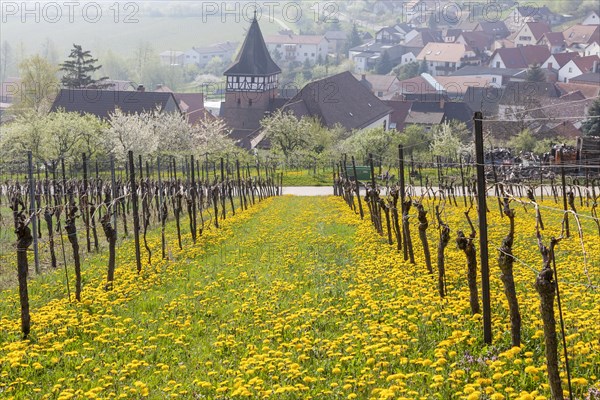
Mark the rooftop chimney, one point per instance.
(141, 88)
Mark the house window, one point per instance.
(250, 102)
(570, 70)
(497, 64)
(379, 94)
(494, 80)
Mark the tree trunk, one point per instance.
(72, 235)
(468, 247)
(24, 240)
(423, 225)
(546, 287)
(505, 262)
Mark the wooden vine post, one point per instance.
(357, 188)
(483, 237)
(505, 262)
(136, 215)
(467, 245)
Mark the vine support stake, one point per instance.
(483, 237)
(32, 213)
(136, 217)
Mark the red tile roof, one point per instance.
(586, 64)
(563, 58)
(523, 57)
(553, 38)
(582, 34)
(538, 29)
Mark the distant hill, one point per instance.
(163, 33)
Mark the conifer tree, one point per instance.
(79, 69)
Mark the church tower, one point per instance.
(253, 77)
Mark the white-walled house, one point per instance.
(578, 66)
(530, 33)
(408, 58)
(592, 49)
(591, 19)
(556, 61)
(171, 57)
(519, 57)
(298, 48)
(201, 56)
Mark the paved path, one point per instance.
(328, 190)
(309, 190)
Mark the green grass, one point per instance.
(295, 298)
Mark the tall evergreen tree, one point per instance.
(354, 37)
(384, 64)
(423, 68)
(591, 126)
(536, 74)
(79, 69)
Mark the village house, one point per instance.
(592, 49)
(480, 42)
(496, 29)
(520, 96)
(519, 57)
(578, 66)
(588, 78)
(556, 61)
(201, 56)
(340, 100)
(298, 48)
(337, 40)
(530, 33)
(428, 114)
(190, 104)
(382, 86)
(366, 55)
(171, 58)
(102, 103)
(555, 41)
(591, 19)
(530, 12)
(578, 37)
(445, 58)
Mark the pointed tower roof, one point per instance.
(254, 58)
